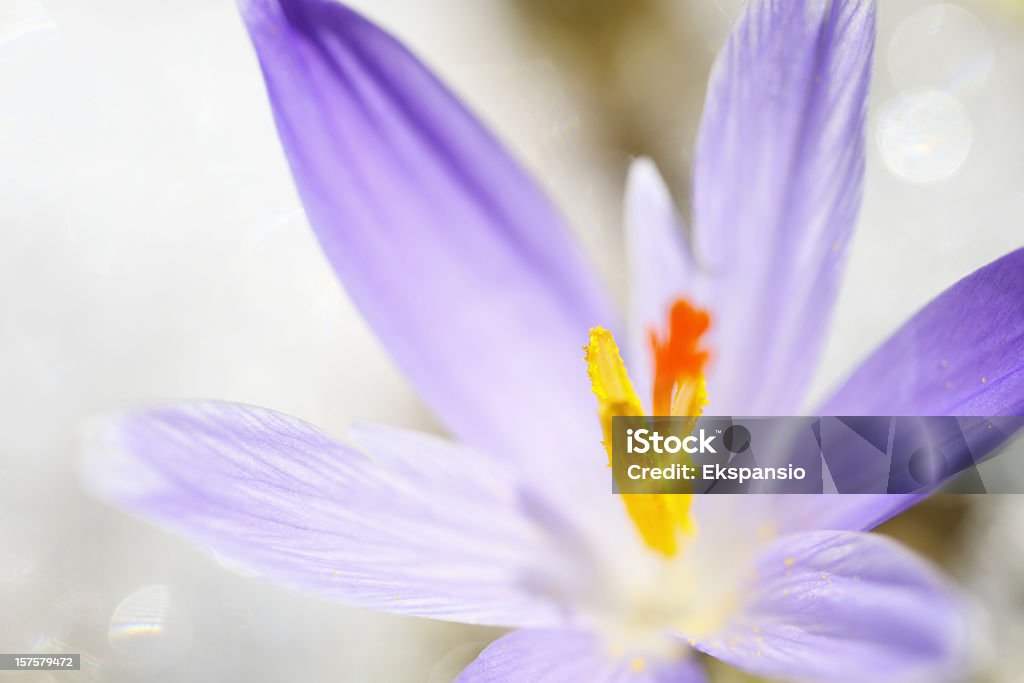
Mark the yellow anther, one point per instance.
(679, 390)
(610, 383)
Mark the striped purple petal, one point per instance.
(405, 523)
(561, 656)
(777, 186)
(453, 255)
(962, 354)
(843, 608)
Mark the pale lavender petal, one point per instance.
(751, 519)
(843, 607)
(455, 257)
(561, 656)
(423, 527)
(777, 186)
(962, 354)
(661, 268)
(838, 512)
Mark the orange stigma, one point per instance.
(679, 360)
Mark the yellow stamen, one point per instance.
(610, 383)
(659, 518)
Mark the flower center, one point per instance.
(679, 390)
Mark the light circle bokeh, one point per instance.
(924, 135)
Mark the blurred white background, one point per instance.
(152, 246)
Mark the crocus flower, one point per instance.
(472, 282)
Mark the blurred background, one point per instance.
(152, 246)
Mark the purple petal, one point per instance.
(661, 268)
(777, 186)
(843, 607)
(963, 442)
(453, 255)
(560, 656)
(421, 527)
(963, 354)
(934, 365)
(847, 512)
(750, 519)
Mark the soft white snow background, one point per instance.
(152, 246)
